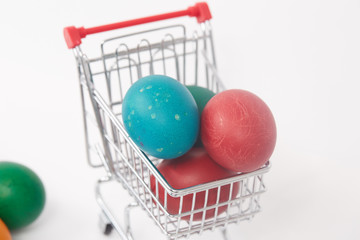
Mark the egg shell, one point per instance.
(202, 96)
(22, 195)
(4, 231)
(194, 168)
(238, 130)
(161, 116)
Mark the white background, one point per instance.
(301, 57)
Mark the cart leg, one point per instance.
(105, 224)
(127, 219)
(224, 233)
(108, 217)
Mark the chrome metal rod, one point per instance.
(106, 210)
(127, 219)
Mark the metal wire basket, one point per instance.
(187, 56)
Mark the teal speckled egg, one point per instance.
(161, 116)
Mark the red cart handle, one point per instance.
(74, 35)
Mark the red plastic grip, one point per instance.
(74, 35)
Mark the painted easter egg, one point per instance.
(194, 168)
(202, 96)
(161, 116)
(4, 231)
(22, 195)
(238, 130)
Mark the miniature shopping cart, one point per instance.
(184, 52)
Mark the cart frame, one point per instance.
(104, 81)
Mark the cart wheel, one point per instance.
(108, 229)
(105, 224)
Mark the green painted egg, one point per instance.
(22, 195)
(201, 96)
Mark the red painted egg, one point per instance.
(238, 130)
(193, 168)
